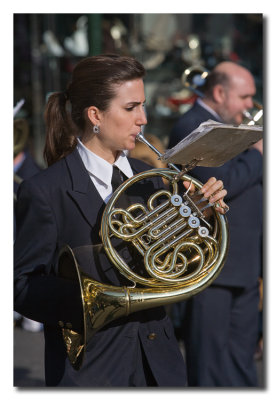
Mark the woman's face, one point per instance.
(124, 118)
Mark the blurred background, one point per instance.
(47, 46)
(46, 49)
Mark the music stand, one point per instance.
(212, 144)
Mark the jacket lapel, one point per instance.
(83, 191)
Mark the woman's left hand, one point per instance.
(214, 192)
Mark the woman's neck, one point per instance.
(96, 146)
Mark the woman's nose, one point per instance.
(142, 119)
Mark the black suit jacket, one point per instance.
(61, 206)
(242, 177)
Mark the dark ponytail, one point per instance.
(94, 82)
(60, 135)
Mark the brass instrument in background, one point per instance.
(194, 78)
(182, 253)
(20, 135)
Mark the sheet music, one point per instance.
(213, 143)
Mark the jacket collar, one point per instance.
(214, 114)
(79, 176)
(83, 191)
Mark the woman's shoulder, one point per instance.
(51, 176)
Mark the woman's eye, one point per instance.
(131, 108)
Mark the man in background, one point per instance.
(219, 326)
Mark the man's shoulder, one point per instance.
(188, 122)
(196, 113)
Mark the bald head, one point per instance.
(234, 72)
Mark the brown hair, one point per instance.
(94, 81)
(213, 79)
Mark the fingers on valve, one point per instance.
(212, 187)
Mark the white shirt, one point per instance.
(100, 170)
(211, 111)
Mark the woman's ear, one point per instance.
(93, 114)
(219, 94)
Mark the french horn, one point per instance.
(182, 252)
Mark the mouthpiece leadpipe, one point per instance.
(142, 139)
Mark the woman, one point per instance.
(63, 205)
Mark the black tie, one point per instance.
(116, 180)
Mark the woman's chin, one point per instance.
(130, 146)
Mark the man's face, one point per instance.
(238, 98)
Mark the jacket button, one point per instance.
(152, 336)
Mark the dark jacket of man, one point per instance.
(220, 325)
(242, 178)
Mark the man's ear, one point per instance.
(93, 114)
(219, 94)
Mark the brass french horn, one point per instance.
(182, 252)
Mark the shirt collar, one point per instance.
(100, 168)
(211, 111)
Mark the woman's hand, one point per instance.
(214, 192)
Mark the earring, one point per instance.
(96, 129)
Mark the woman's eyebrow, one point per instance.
(136, 102)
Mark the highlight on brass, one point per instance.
(194, 77)
(178, 237)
